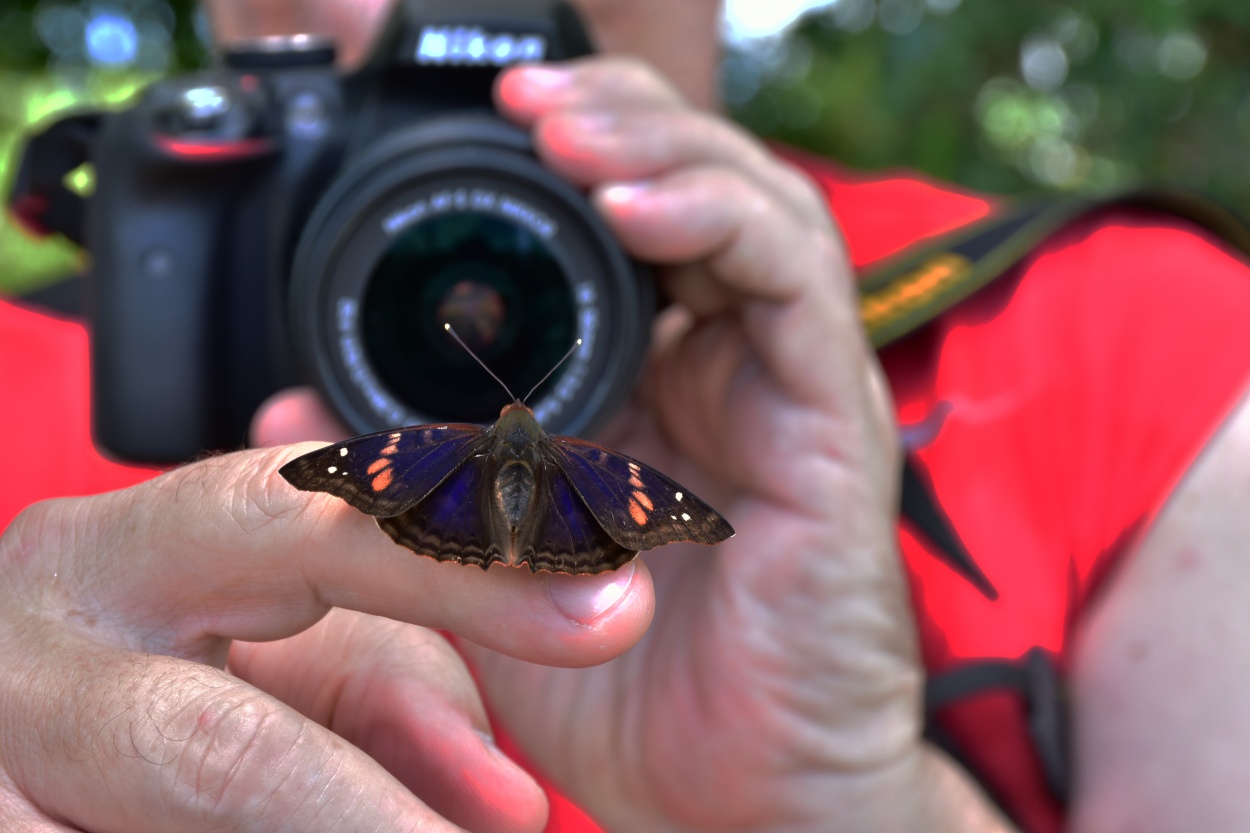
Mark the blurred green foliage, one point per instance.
(46, 68)
(1013, 97)
(1005, 97)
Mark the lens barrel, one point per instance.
(455, 221)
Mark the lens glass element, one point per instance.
(496, 283)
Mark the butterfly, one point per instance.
(510, 493)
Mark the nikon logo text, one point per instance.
(471, 45)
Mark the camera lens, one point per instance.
(496, 283)
(455, 221)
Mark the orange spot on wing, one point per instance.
(637, 513)
(382, 480)
(378, 464)
(390, 449)
(642, 498)
(635, 481)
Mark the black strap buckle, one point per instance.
(1036, 677)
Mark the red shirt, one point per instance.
(1053, 412)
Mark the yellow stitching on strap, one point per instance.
(913, 290)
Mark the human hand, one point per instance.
(117, 711)
(779, 687)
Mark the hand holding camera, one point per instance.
(761, 396)
(782, 662)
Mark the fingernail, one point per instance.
(547, 78)
(623, 193)
(585, 598)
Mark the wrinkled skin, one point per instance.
(778, 686)
(208, 650)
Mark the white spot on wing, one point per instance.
(342, 452)
(332, 469)
(679, 496)
(684, 516)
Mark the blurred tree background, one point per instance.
(1012, 97)
(56, 55)
(1005, 97)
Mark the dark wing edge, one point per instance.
(569, 538)
(638, 506)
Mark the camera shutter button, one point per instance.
(202, 108)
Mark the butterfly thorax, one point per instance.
(517, 455)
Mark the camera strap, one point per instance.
(913, 288)
(916, 287)
(907, 291)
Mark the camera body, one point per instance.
(274, 221)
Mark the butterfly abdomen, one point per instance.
(514, 493)
(516, 483)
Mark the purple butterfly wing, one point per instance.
(454, 521)
(386, 473)
(568, 538)
(636, 505)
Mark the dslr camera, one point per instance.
(274, 221)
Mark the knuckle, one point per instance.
(805, 193)
(260, 496)
(240, 493)
(631, 76)
(754, 205)
(39, 542)
(196, 747)
(224, 751)
(227, 765)
(829, 252)
(627, 67)
(26, 535)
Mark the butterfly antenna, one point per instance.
(469, 350)
(576, 344)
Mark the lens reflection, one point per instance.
(496, 283)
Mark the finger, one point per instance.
(227, 549)
(614, 144)
(790, 279)
(18, 816)
(294, 415)
(693, 288)
(526, 94)
(123, 741)
(615, 118)
(404, 697)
